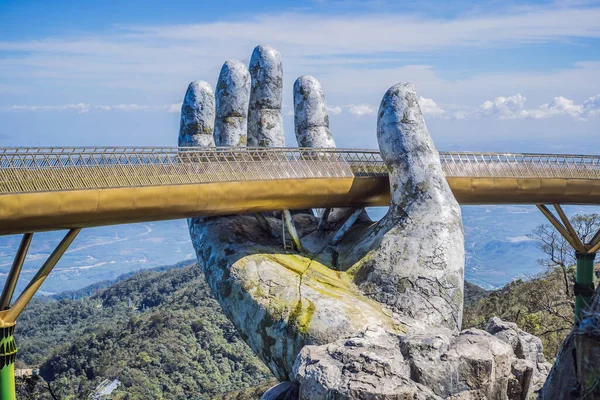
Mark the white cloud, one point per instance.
(152, 57)
(503, 107)
(361, 110)
(430, 107)
(130, 107)
(513, 107)
(174, 108)
(519, 239)
(380, 32)
(337, 110)
(81, 108)
(558, 106)
(591, 107)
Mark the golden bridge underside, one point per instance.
(34, 212)
(47, 189)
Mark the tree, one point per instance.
(558, 251)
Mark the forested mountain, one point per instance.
(542, 306)
(160, 333)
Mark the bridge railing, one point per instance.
(31, 170)
(50, 169)
(505, 165)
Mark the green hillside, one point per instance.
(159, 332)
(542, 305)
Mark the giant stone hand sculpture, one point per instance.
(391, 288)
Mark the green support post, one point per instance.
(8, 352)
(584, 285)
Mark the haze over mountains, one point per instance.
(498, 249)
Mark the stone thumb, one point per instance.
(416, 174)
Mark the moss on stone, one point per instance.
(295, 314)
(304, 318)
(361, 269)
(298, 312)
(301, 317)
(457, 296)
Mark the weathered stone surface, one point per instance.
(429, 365)
(587, 349)
(232, 97)
(575, 373)
(265, 121)
(311, 124)
(367, 367)
(311, 121)
(413, 259)
(562, 379)
(281, 301)
(520, 383)
(525, 346)
(197, 116)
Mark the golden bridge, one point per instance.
(62, 188)
(73, 188)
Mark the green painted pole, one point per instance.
(584, 285)
(8, 352)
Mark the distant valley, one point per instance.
(99, 254)
(498, 249)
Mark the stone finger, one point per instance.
(231, 98)
(265, 120)
(311, 121)
(197, 116)
(417, 266)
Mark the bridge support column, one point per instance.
(264, 224)
(339, 235)
(585, 254)
(323, 219)
(9, 314)
(15, 271)
(289, 223)
(8, 352)
(584, 284)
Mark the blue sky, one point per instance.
(494, 76)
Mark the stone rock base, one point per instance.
(503, 362)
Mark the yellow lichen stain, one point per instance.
(301, 317)
(260, 292)
(355, 269)
(278, 308)
(303, 321)
(330, 283)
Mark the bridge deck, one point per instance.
(56, 188)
